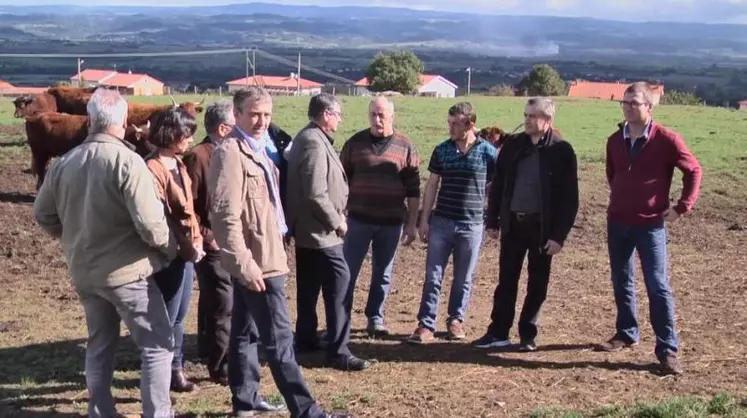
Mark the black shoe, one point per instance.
(526, 346)
(350, 363)
(490, 341)
(261, 409)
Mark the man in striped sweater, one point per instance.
(382, 170)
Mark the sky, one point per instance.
(705, 11)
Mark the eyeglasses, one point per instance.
(631, 103)
(334, 112)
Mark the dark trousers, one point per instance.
(214, 313)
(522, 237)
(327, 271)
(264, 316)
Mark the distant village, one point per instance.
(431, 85)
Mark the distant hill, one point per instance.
(370, 28)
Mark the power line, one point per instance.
(265, 54)
(127, 54)
(282, 60)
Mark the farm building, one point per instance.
(607, 91)
(430, 85)
(291, 85)
(9, 90)
(742, 105)
(126, 83)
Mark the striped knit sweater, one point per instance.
(382, 173)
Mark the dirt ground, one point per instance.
(42, 330)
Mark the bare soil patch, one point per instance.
(42, 331)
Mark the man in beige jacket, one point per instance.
(248, 223)
(100, 200)
(317, 194)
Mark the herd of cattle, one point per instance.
(56, 121)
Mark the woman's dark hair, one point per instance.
(171, 126)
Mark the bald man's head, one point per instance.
(381, 116)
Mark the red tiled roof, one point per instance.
(607, 91)
(93, 75)
(271, 81)
(12, 90)
(424, 79)
(127, 80)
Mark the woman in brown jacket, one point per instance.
(172, 133)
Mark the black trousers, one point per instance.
(214, 313)
(326, 271)
(522, 238)
(263, 316)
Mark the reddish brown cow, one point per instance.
(494, 135)
(139, 114)
(52, 134)
(28, 105)
(72, 100)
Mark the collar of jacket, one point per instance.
(314, 125)
(104, 137)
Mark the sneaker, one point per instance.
(376, 329)
(526, 346)
(454, 330)
(490, 341)
(614, 344)
(422, 335)
(670, 364)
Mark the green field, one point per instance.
(42, 331)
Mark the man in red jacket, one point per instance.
(641, 157)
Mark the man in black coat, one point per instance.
(533, 201)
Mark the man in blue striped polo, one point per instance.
(462, 165)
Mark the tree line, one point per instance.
(400, 72)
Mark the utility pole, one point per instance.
(254, 62)
(469, 80)
(298, 76)
(80, 82)
(246, 64)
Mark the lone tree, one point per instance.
(543, 80)
(398, 71)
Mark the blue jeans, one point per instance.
(651, 245)
(383, 240)
(175, 283)
(444, 237)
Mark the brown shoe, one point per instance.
(670, 364)
(455, 330)
(179, 382)
(614, 344)
(422, 335)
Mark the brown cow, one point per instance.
(494, 135)
(62, 99)
(139, 114)
(72, 100)
(52, 134)
(31, 105)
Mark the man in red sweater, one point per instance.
(641, 157)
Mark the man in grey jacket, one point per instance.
(100, 200)
(316, 197)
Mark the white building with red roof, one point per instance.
(430, 85)
(291, 85)
(126, 83)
